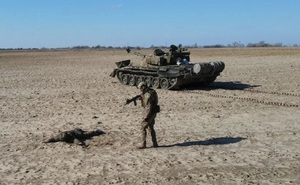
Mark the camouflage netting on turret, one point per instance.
(154, 60)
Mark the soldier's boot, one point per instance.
(153, 136)
(143, 146)
(51, 140)
(57, 138)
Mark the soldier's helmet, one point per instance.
(173, 47)
(141, 84)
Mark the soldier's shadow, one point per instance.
(212, 141)
(221, 85)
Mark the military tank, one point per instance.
(167, 70)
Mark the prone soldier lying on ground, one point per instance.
(77, 136)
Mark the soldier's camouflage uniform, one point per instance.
(77, 136)
(150, 104)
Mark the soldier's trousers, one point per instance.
(149, 124)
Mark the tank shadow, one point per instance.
(221, 85)
(212, 141)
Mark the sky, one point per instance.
(68, 23)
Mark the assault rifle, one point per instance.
(128, 101)
(137, 97)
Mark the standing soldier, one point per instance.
(149, 101)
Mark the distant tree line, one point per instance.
(233, 45)
(249, 45)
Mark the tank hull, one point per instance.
(170, 76)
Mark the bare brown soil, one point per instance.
(243, 129)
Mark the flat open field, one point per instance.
(243, 129)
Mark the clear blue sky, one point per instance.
(67, 23)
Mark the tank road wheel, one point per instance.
(132, 80)
(124, 79)
(155, 83)
(173, 81)
(164, 83)
(148, 81)
(139, 79)
(119, 75)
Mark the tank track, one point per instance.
(133, 78)
(273, 103)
